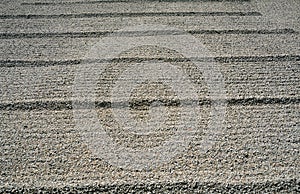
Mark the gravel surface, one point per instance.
(56, 133)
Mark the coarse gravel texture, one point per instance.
(45, 44)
